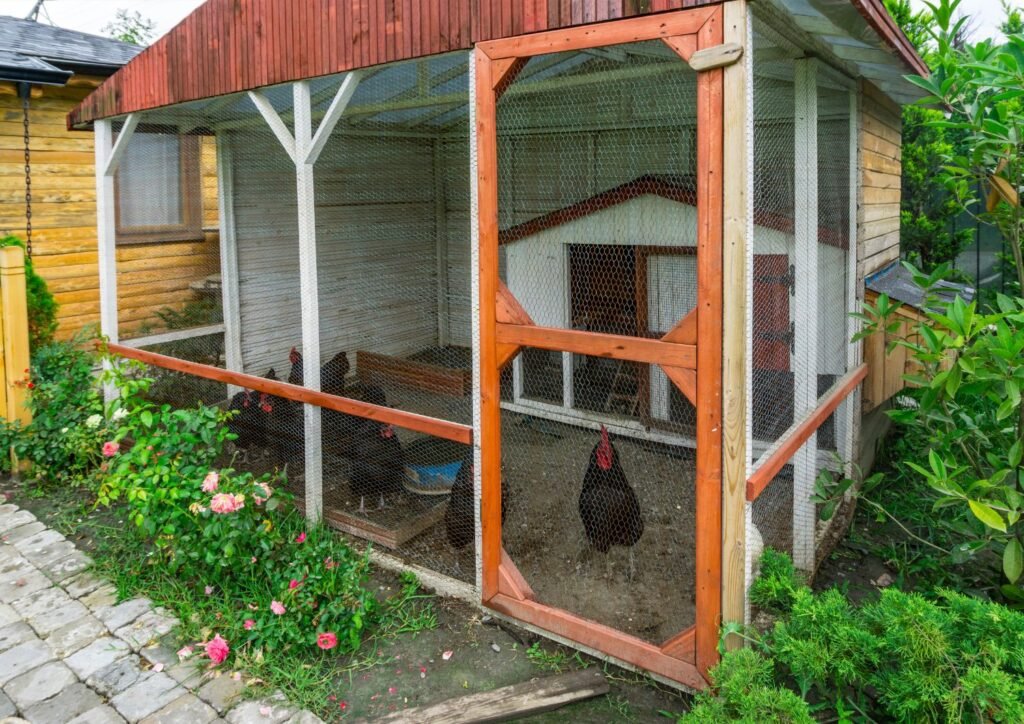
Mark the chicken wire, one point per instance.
(390, 296)
(800, 286)
(598, 233)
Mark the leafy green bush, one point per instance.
(744, 690)
(903, 657)
(42, 308)
(964, 431)
(64, 437)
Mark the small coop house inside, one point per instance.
(550, 307)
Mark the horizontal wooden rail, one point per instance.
(408, 420)
(176, 335)
(594, 344)
(776, 457)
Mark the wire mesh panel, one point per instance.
(597, 211)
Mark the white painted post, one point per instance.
(310, 296)
(849, 413)
(108, 156)
(441, 245)
(229, 258)
(805, 391)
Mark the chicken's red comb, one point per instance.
(293, 356)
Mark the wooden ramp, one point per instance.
(508, 702)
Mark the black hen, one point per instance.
(460, 515)
(285, 427)
(379, 464)
(332, 373)
(250, 423)
(295, 374)
(608, 506)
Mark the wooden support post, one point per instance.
(849, 424)
(735, 325)
(229, 258)
(805, 390)
(309, 296)
(441, 244)
(15, 351)
(476, 332)
(107, 160)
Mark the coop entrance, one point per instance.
(598, 193)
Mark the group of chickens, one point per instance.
(275, 424)
(608, 506)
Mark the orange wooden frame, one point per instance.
(408, 420)
(787, 447)
(691, 353)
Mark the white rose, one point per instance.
(119, 414)
(93, 421)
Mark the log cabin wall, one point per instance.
(64, 216)
(878, 218)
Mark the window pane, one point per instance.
(149, 181)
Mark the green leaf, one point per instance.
(1013, 560)
(987, 515)
(147, 418)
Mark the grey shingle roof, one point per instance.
(59, 47)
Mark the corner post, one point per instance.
(228, 258)
(106, 229)
(736, 245)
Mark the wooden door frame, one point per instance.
(695, 368)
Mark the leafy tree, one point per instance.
(927, 210)
(131, 28)
(1013, 20)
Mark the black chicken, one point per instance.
(608, 506)
(285, 427)
(332, 373)
(378, 467)
(249, 424)
(460, 515)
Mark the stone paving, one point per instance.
(71, 653)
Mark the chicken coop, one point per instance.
(547, 301)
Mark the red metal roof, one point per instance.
(228, 46)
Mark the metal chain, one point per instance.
(28, 180)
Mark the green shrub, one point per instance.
(744, 690)
(64, 438)
(42, 308)
(903, 657)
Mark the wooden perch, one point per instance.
(717, 56)
(509, 702)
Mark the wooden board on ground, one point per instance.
(391, 538)
(510, 702)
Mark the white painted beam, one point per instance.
(309, 295)
(273, 119)
(230, 289)
(123, 139)
(106, 230)
(333, 115)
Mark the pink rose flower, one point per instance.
(110, 449)
(327, 640)
(217, 650)
(248, 625)
(208, 590)
(227, 503)
(301, 538)
(277, 608)
(184, 652)
(210, 482)
(293, 584)
(260, 499)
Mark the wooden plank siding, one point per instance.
(878, 207)
(285, 40)
(151, 276)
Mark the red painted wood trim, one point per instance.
(683, 646)
(601, 638)
(594, 344)
(789, 445)
(710, 220)
(408, 420)
(879, 19)
(511, 582)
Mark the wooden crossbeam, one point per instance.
(593, 344)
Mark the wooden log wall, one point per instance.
(151, 276)
(878, 216)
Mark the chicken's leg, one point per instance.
(362, 505)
